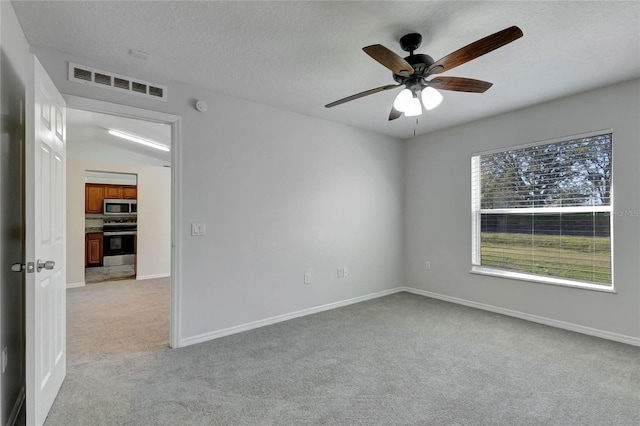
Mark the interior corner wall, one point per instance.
(153, 257)
(281, 194)
(438, 209)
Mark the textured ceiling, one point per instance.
(299, 56)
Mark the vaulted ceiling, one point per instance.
(88, 139)
(299, 56)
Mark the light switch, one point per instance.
(198, 229)
(307, 278)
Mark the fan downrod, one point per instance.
(410, 42)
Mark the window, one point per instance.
(542, 212)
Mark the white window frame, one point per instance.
(476, 213)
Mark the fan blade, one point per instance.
(362, 94)
(476, 49)
(389, 59)
(394, 114)
(458, 84)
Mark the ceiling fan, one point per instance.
(412, 72)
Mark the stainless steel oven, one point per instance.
(118, 242)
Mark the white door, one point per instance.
(45, 244)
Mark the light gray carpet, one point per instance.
(117, 317)
(398, 360)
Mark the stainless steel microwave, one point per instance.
(113, 207)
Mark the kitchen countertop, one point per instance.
(90, 230)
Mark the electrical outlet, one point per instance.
(340, 273)
(4, 360)
(345, 272)
(307, 277)
(198, 229)
(427, 265)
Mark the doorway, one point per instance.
(153, 207)
(119, 199)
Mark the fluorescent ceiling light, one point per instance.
(136, 139)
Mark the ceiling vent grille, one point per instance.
(108, 80)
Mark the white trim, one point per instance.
(285, 317)
(541, 279)
(152, 276)
(76, 285)
(175, 333)
(549, 209)
(175, 121)
(88, 104)
(622, 338)
(201, 338)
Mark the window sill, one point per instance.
(481, 270)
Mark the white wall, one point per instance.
(438, 209)
(280, 194)
(154, 217)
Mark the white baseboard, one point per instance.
(74, 285)
(152, 276)
(630, 340)
(279, 318)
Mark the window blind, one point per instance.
(545, 209)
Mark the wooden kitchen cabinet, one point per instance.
(95, 194)
(93, 249)
(129, 192)
(113, 191)
(93, 198)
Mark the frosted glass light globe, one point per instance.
(406, 103)
(431, 98)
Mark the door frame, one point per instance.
(175, 121)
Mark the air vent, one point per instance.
(121, 83)
(102, 79)
(156, 91)
(139, 87)
(80, 74)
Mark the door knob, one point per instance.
(49, 264)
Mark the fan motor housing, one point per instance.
(420, 63)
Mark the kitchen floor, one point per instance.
(109, 273)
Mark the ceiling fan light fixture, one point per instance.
(431, 98)
(408, 104)
(414, 108)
